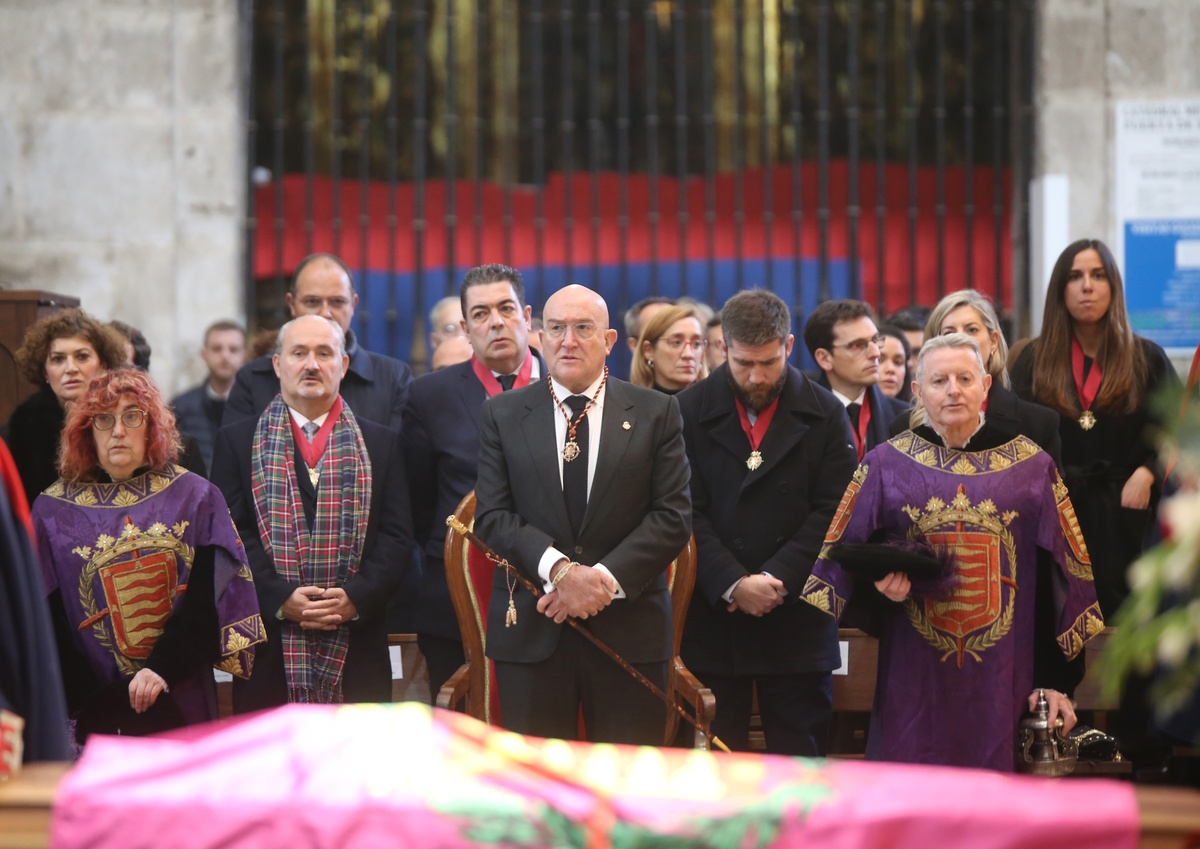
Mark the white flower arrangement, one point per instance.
(1158, 626)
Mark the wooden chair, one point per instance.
(473, 685)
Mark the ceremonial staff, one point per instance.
(491, 555)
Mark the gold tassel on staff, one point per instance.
(511, 571)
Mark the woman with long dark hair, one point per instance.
(1089, 367)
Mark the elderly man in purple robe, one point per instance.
(963, 654)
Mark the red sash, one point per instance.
(1088, 389)
(754, 432)
(491, 385)
(312, 452)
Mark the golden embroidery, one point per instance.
(979, 612)
(236, 642)
(1082, 571)
(125, 499)
(237, 639)
(998, 463)
(821, 595)
(138, 579)
(842, 517)
(996, 459)
(963, 466)
(120, 495)
(1087, 625)
(1078, 561)
(232, 666)
(819, 599)
(1025, 448)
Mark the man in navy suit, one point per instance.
(441, 440)
(771, 454)
(375, 386)
(844, 342)
(583, 487)
(321, 503)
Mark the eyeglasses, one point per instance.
(557, 330)
(314, 304)
(857, 346)
(130, 418)
(675, 343)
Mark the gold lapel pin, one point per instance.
(626, 425)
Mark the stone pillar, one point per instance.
(1092, 54)
(122, 164)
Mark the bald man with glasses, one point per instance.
(583, 487)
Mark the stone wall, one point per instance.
(1092, 54)
(122, 153)
(122, 164)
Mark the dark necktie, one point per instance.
(310, 429)
(506, 381)
(575, 472)
(852, 410)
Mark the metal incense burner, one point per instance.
(1043, 749)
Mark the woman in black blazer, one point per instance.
(967, 311)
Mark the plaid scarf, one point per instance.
(324, 556)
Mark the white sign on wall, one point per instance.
(1157, 206)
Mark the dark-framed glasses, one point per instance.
(857, 346)
(131, 418)
(583, 330)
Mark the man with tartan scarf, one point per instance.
(321, 503)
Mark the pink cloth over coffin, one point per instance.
(405, 775)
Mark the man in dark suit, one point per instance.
(199, 410)
(321, 504)
(844, 342)
(441, 440)
(375, 386)
(771, 454)
(583, 486)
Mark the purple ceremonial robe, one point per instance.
(955, 672)
(121, 553)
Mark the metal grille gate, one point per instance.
(828, 148)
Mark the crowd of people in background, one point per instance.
(1033, 482)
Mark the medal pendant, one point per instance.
(754, 461)
(570, 450)
(314, 476)
(1087, 421)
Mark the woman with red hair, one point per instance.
(147, 579)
